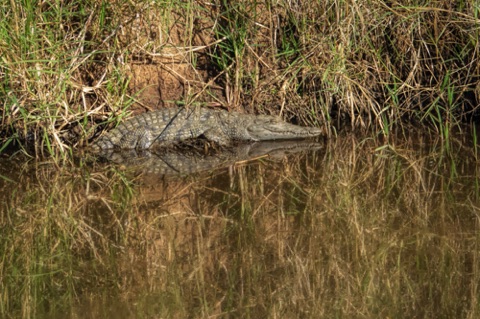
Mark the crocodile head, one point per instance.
(270, 128)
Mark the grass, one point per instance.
(66, 69)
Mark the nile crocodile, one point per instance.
(167, 126)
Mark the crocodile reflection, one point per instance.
(189, 160)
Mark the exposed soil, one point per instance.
(154, 86)
(180, 73)
(159, 84)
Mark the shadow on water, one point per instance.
(358, 228)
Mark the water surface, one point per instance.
(357, 228)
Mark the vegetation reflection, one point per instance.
(360, 228)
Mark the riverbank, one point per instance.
(71, 70)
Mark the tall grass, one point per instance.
(66, 69)
(53, 67)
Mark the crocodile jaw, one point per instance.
(275, 130)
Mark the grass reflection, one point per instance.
(364, 228)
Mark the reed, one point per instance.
(69, 71)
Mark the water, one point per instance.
(357, 228)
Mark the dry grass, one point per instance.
(69, 69)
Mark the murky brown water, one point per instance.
(359, 228)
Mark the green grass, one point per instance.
(66, 68)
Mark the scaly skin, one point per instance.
(167, 126)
